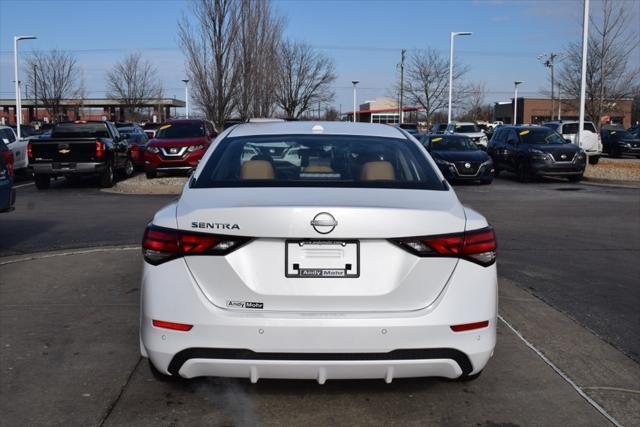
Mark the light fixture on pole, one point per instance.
(583, 77)
(550, 63)
(453, 35)
(515, 100)
(186, 97)
(16, 39)
(355, 82)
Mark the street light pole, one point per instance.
(453, 35)
(583, 78)
(35, 90)
(515, 101)
(16, 39)
(355, 82)
(186, 97)
(402, 85)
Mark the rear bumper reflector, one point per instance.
(171, 325)
(469, 326)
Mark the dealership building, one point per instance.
(538, 110)
(383, 110)
(87, 109)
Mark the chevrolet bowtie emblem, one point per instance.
(64, 151)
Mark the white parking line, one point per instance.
(564, 376)
(23, 185)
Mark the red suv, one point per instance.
(178, 146)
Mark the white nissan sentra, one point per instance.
(318, 250)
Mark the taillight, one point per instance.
(172, 325)
(478, 246)
(99, 149)
(8, 159)
(163, 244)
(29, 151)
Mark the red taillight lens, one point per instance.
(29, 151)
(469, 326)
(478, 246)
(99, 149)
(163, 244)
(172, 325)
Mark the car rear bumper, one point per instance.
(317, 345)
(60, 168)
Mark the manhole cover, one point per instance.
(569, 189)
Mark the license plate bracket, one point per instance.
(322, 259)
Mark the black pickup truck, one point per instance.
(80, 148)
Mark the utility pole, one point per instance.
(402, 85)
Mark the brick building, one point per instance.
(538, 110)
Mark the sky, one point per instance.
(364, 38)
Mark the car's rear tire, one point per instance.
(42, 181)
(128, 169)
(106, 177)
(522, 172)
(160, 376)
(593, 160)
(467, 378)
(151, 174)
(575, 178)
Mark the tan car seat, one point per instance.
(257, 169)
(379, 170)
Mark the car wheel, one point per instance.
(106, 177)
(127, 171)
(522, 172)
(575, 178)
(467, 378)
(162, 377)
(593, 160)
(151, 174)
(42, 181)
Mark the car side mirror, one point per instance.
(124, 136)
(568, 141)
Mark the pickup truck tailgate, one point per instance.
(67, 150)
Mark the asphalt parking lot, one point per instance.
(568, 344)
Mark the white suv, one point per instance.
(590, 140)
(470, 130)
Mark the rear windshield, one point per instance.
(572, 128)
(180, 130)
(466, 129)
(318, 161)
(80, 130)
(540, 135)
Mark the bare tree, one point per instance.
(210, 48)
(260, 32)
(57, 76)
(304, 78)
(134, 82)
(428, 81)
(610, 74)
(474, 101)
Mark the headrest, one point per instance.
(378, 170)
(257, 169)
